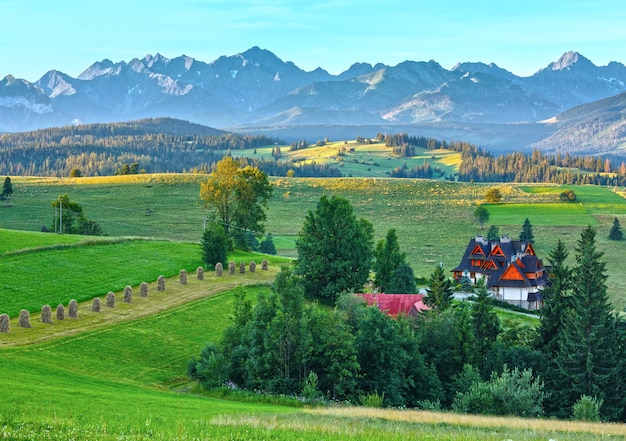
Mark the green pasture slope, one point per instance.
(126, 382)
(433, 219)
(361, 159)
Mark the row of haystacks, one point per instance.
(23, 321)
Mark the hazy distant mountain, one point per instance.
(257, 89)
(598, 127)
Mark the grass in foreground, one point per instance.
(65, 389)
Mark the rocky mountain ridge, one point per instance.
(255, 88)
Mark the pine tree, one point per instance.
(439, 291)
(527, 232)
(588, 352)
(486, 322)
(7, 190)
(556, 302)
(493, 233)
(616, 231)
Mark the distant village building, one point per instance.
(395, 304)
(512, 270)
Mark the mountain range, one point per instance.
(255, 91)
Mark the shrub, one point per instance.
(161, 283)
(264, 264)
(5, 325)
(231, 267)
(72, 309)
(211, 369)
(372, 400)
(128, 294)
(46, 314)
(587, 408)
(60, 312)
(24, 319)
(219, 269)
(253, 267)
(182, 277)
(143, 289)
(510, 393)
(111, 299)
(310, 390)
(200, 273)
(96, 304)
(242, 268)
(567, 196)
(493, 195)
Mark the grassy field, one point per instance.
(433, 219)
(65, 389)
(362, 159)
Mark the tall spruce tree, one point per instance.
(493, 233)
(486, 323)
(527, 232)
(616, 231)
(588, 349)
(439, 293)
(555, 304)
(555, 300)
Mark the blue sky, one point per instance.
(520, 36)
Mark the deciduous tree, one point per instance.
(481, 214)
(387, 257)
(334, 250)
(214, 245)
(7, 190)
(238, 197)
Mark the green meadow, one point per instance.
(433, 218)
(126, 380)
(361, 159)
(120, 374)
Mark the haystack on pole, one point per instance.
(96, 304)
(200, 273)
(161, 283)
(60, 312)
(182, 277)
(46, 314)
(24, 320)
(128, 294)
(110, 299)
(219, 269)
(264, 264)
(72, 309)
(143, 289)
(253, 267)
(5, 324)
(231, 267)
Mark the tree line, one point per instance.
(151, 146)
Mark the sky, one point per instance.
(521, 36)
